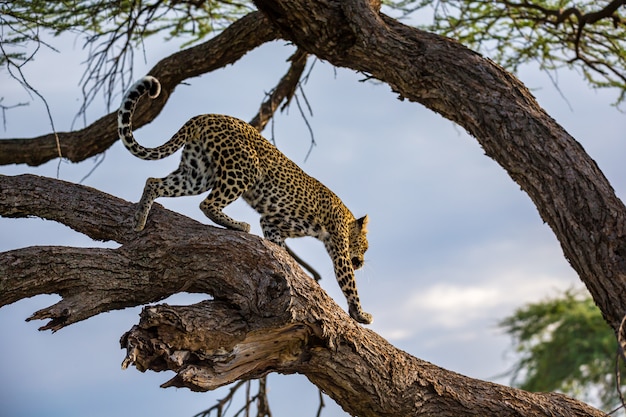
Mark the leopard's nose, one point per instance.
(356, 263)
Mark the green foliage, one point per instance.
(587, 35)
(564, 345)
(22, 19)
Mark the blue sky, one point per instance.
(455, 246)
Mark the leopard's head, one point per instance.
(358, 241)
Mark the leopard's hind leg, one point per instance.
(174, 185)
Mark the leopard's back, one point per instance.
(284, 188)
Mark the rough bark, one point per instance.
(264, 314)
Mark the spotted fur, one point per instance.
(231, 159)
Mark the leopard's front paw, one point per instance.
(361, 316)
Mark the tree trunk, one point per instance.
(265, 314)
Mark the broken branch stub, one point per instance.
(210, 344)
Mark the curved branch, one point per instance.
(209, 345)
(235, 41)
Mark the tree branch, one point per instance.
(284, 91)
(265, 314)
(589, 35)
(558, 16)
(242, 36)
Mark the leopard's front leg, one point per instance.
(344, 273)
(347, 283)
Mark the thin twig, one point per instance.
(4, 110)
(308, 125)
(21, 78)
(99, 160)
(222, 405)
(322, 405)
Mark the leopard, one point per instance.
(230, 158)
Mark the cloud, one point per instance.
(464, 292)
(455, 306)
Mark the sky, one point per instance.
(455, 245)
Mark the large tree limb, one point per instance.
(569, 190)
(265, 314)
(234, 42)
(356, 367)
(133, 274)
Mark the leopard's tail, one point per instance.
(152, 86)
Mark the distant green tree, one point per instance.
(565, 345)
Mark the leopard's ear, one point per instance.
(362, 223)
